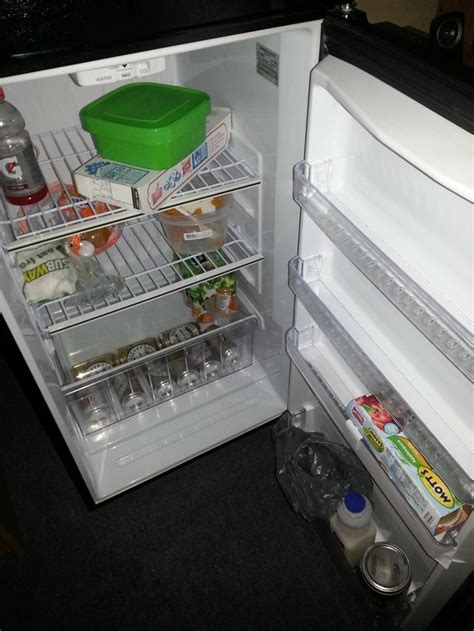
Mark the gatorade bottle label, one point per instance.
(20, 174)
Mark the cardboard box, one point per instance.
(125, 185)
(426, 492)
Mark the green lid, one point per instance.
(146, 113)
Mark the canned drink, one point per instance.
(178, 334)
(130, 393)
(183, 371)
(210, 369)
(199, 353)
(94, 366)
(230, 354)
(137, 350)
(95, 411)
(227, 351)
(163, 387)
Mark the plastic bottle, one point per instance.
(353, 526)
(20, 175)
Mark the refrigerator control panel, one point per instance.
(120, 72)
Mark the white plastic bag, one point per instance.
(47, 272)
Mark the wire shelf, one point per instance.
(59, 214)
(149, 267)
(428, 316)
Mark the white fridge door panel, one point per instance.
(423, 138)
(401, 174)
(434, 388)
(387, 186)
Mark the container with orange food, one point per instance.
(91, 242)
(198, 226)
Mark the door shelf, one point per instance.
(149, 267)
(98, 403)
(302, 348)
(62, 152)
(372, 378)
(429, 317)
(390, 527)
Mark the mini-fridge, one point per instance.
(351, 238)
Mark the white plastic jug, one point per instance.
(353, 526)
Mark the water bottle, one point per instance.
(20, 175)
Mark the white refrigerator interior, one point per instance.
(379, 257)
(268, 137)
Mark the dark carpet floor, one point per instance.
(210, 545)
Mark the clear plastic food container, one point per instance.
(199, 226)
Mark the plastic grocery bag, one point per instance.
(315, 473)
(93, 284)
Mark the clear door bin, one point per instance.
(99, 401)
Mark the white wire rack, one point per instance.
(148, 267)
(60, 214)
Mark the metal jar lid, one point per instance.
(386, 568)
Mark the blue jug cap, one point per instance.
(355, 502)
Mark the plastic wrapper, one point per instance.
(316, 473)
(92, 283)
(213, 301)
(46, 272)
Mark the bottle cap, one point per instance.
(355, 502)
(2, 94)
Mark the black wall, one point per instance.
(36, 34)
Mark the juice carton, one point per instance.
(426, 492)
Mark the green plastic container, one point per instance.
(149, 125)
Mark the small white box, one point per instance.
(121, 184)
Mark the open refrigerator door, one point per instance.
(382, 342)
